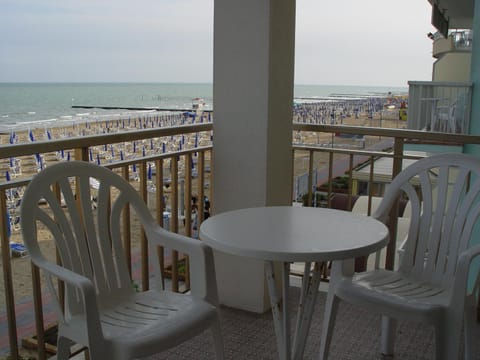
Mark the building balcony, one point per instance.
(439, 106)
(167, 179)
(457, 41)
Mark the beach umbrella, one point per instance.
(143, 151)
(98, 159)
(121, 155)
(164, 147)
(151, 144)
(112, 150)
(11, 162)
(196, 140)
(49, 135)
(68, 155)
(39, 160)
(7, 175)
(91, 154)
(134, 146)
(30, 135)
(149, 173)
(62, 154)
(12, 137)
(134, 168)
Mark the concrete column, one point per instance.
(253, 96)
(475, 78)
(475, 115)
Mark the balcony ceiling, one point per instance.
(459, 13)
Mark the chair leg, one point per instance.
(63, 348)
(471, 330)
(389, 327)
(331, 306)
(218, 340)
(447, 338)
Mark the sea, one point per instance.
(33, 105)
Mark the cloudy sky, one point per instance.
(342, 42)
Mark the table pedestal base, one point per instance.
(281, 309)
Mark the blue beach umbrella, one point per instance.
(30, 135)
(143, 151)
(134, 168)
(98, 159)
(121, 155)
(68, 155)
(112, 150)
(134, 146)
(164, 147)
(149, 173)
(151, 144)
(91, 154)
(7, 175)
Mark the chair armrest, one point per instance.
(461, 277)
(202, 267)
(85, 285)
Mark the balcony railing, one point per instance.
(458, 40)
(174, 169)
(166, 178)
(439, 106)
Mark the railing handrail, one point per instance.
(442, 83)
(390, 132)
(16, 150)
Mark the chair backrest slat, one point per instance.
(88, 238)
(444, 195)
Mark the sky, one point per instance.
(342, 42)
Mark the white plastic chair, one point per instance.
(431, 284)
(102, 309)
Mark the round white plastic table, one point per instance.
(293, 234)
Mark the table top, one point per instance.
(285, 233)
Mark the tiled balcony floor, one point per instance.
(356, 337)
